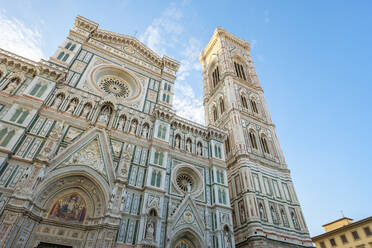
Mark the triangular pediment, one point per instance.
(129, 45)
(90, 150)
(187, 216)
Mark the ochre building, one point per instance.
(92, 154)
(345, 233)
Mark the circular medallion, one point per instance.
(188, 216)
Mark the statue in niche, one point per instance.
(188, 145)
(86, 110)
(145, 131)
(104, 116)
(133, 127)
(150, 230)
(58, 101)
(294, 220)
(123, 198)
(227, 237)
(261, 210)
(227, 241)
(113, 196)
(12, 85)
(121, 122)
(177, 143)
(273, 215)
(284, 217)
(242, 212)
(72, 106)
(200, 149)
(126, 159)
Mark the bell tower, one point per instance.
(266, 211)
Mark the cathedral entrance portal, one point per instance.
(184, 244)
(187, 239)
(49, 245)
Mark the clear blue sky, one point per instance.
(313, 59)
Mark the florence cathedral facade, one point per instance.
(92, 153)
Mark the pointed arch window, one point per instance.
(244, 101)
(254, 106)
(222, 105)
(72, 48)
(252, 139)
(2, 133)
(239, 69)
(6, 136)
(65, 57)
(155, 178)
(23, 117)
(215, 114)
(38, 89)
(162, 131)
(217, 151)
(158, 158)
(68, 45)
(60, 56)
(227, 145)
(158, 179)
(215, 77)
(19, 116)
(224, 196)
(264, 145)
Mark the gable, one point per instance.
(187, 216)
(90, 150)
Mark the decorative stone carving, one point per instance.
(51, 143)
(72, 106)
(105, 114)
(121, 123)
(12, 85)
(133, 127)
(90, 155)
(125, 160)
(145, 131)
(57, 101)
(86, 110)
(150, 230)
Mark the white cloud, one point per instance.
(20, 39)
(187, 104)
(165, 34)
(163, 31)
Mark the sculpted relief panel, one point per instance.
(90, 156)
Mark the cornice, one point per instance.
(218, 33)
(41, 68)
(121, 39)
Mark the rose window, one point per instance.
(115, 87)
(185, 182)
(116, 82)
